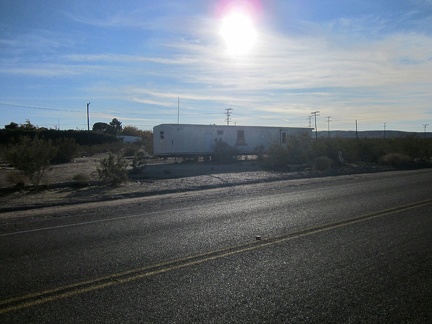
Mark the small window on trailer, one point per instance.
(161, 134)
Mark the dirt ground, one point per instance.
(158, 176)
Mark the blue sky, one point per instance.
(362, 60)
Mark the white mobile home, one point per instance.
(187, 140)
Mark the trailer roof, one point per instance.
(238, 126)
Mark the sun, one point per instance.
(238, 32)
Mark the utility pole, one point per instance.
(356, 130)
(178, 110)
(310, 121)
(425, 125)
(385, 130)
(328, 125)
(228, 114)
(88, 117)
(315, 114)
(88, 124)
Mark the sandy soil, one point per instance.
(158, 177)
(161, 176)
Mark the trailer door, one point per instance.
(283, 137)
(208, 142)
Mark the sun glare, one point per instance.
(238, 32)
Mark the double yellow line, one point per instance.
(29, 300)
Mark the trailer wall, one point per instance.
(199, 140)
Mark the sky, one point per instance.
(273, 62)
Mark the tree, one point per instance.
(12, 125)
(147, 136)
(32, 156)
(131, 131)
(103, 128)
(28, 125)
(116, 125)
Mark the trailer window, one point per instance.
(220, 132)
(240, 138)
(161, 135)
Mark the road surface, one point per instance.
(348, 249)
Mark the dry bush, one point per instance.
(138, 162)
(32, 156)
(16, 178)
(81, 179)
(395, 159)
(224, 153)
(277, 157)
(322, 163)
(112, 169)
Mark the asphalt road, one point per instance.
(350, 249)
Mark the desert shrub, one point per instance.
(260, 152)
(65, 150)
(367, 150)
(114, 147)
(296, 150)
(131, 149)
(148, 141)
(395, 159)
(112, 169)
(16, 178)
(322, 163)
(415, 147)
(299, 149)
(32, 156)
(81, 179)
(138, 161)
(223, 152)
(277, 157)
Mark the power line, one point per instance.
(33, 107)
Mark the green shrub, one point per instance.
(138, 162)
(322, 163)
(260, 152)
(114, 147)
(65, 150)
(32, 156)
(223, 152)
(277, 157)
(296, 150)
(395, 159)
(299, 149)
(112, 169)
(130, 149)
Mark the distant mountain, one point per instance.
(371, 134)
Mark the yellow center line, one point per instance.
(62, 292)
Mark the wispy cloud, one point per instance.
(348, 66)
